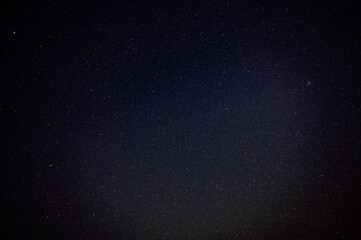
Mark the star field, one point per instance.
(180, 120)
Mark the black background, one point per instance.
(180, 120)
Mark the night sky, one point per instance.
(180, 120)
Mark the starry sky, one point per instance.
(180, 120)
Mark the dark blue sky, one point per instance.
(175, 120)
